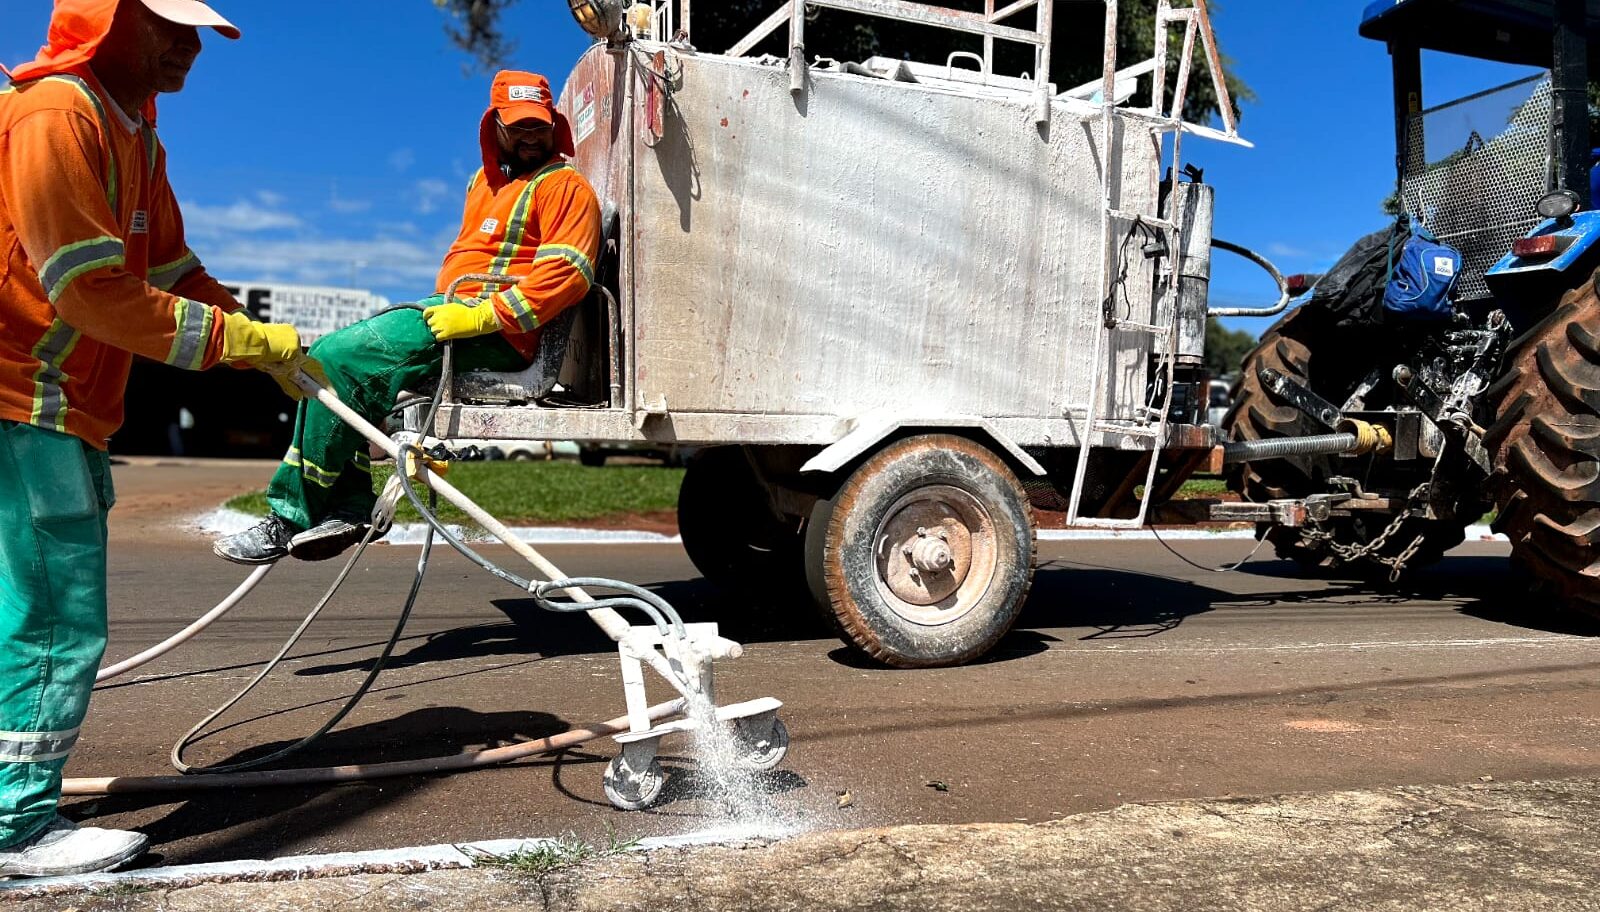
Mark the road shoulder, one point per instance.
(1482, 846)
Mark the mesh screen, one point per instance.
(1474, 170)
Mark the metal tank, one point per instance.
(892, 300)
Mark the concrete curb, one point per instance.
(414, 860)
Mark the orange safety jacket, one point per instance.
(542, 229)
(95, 267)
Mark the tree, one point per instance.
(475, 28)
(845, 36)
(1226, 349)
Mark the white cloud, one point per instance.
(1280, 249)
(242, 216)
(429, 194)
(326, 261)
(271, 200)
(401, 160)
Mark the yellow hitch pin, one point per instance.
(416, 461)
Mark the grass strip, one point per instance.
(535, 492)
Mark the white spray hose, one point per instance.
(609, 621)
(187, 633)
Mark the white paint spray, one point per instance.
(740, 800)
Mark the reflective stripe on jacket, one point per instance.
(95, 267)
(542, 230)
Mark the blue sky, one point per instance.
(332, 144)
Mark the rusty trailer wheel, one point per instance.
(1545, 444)
(925, 555)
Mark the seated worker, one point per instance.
(529, 215)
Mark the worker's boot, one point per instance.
(329, 538)
(64, 848)
(263, 543)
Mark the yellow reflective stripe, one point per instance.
(74, 260)
(165, 277)
(517, 226)
(362, 462)
(193, 321)
(312, 472)
(572, 255)
(49, 399)
(113, 185)
(518, 304)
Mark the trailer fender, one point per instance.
(1574, 238)
(869, 433)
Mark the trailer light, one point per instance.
(600, 18)
(1548, 245)
(1558, 205)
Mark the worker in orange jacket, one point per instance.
(95, 271)
(529, 216)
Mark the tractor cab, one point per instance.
(1497, 174)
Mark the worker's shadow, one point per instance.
(260, 822)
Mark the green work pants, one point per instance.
(327, 470)
(55, 492)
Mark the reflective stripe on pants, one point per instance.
(55, 492)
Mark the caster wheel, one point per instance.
(633, 790)
(762, 754)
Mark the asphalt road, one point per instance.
(1131, 677)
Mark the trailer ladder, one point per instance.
(1148, 422)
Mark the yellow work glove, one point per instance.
(273, 348)
(244, 341)
(461, 321)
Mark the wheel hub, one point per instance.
(935, 543)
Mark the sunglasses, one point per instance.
(529, 128)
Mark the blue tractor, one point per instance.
(1492, 401)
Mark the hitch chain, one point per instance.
(1370, 551)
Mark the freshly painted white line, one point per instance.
(1539, 642)
(224, 521)
(388, 861)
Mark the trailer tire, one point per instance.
(1258, 414)
(926, 553)
(1545, 446)
(729, 533)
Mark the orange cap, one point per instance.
(518, 96)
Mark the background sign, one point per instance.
(314, 311)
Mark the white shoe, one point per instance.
(64, 848)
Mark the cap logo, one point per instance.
(529, 93)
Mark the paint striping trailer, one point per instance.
(897, 304)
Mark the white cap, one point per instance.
(192, 12)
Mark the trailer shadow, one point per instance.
(1070, 600)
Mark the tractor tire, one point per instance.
(1289, 347)
(1545, 445)
(729, 532)
(925, 554)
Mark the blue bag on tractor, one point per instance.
(1422, 278)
